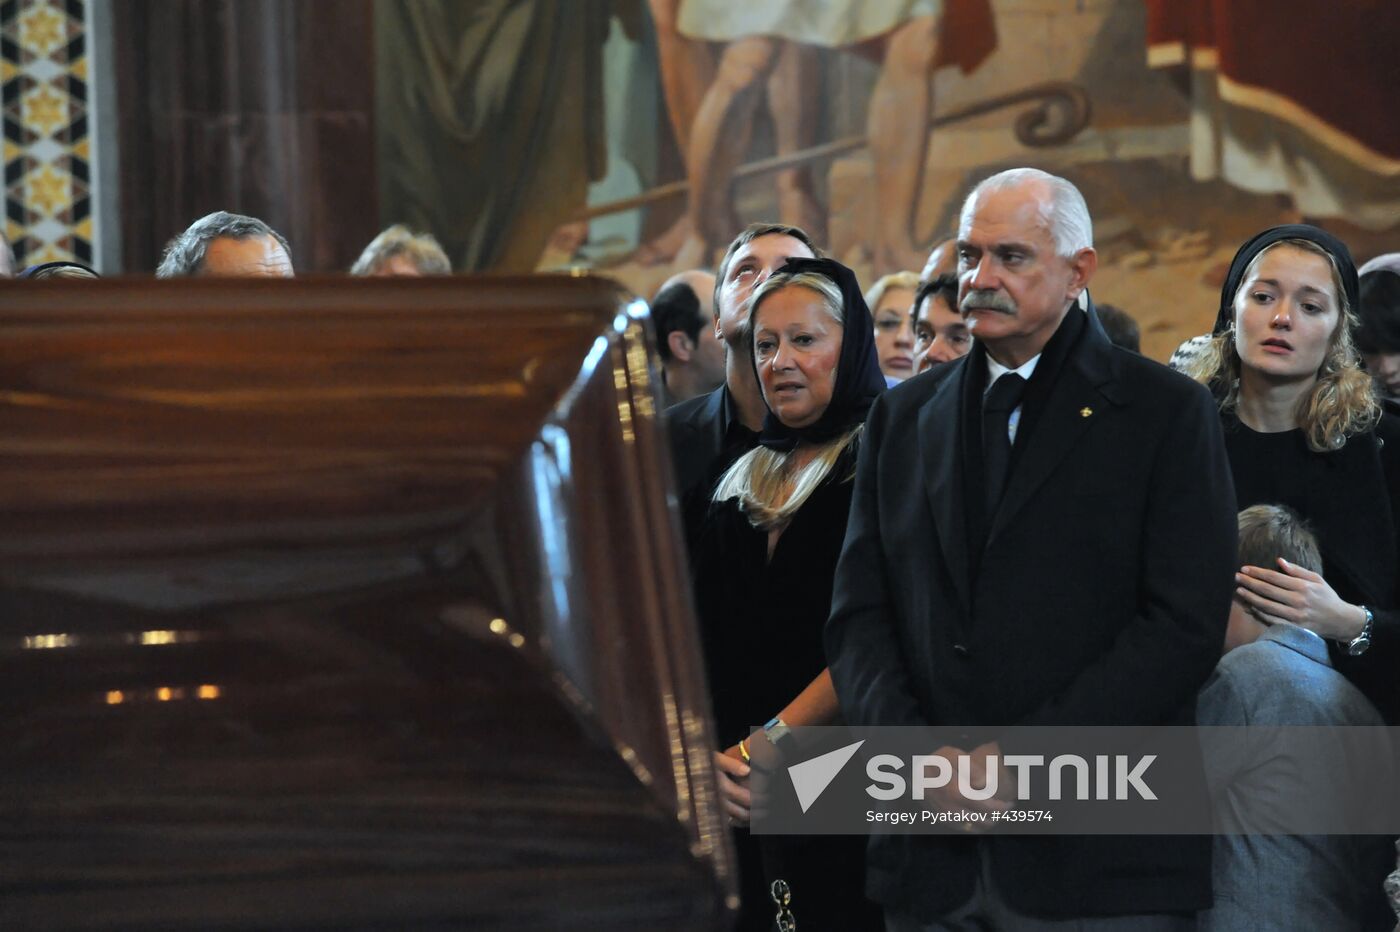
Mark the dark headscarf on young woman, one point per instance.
(858, 378)
(1329, 243)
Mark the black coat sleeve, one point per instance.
(862, 647)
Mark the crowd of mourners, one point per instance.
(224, 244)
(961, 497)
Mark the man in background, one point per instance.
(225, 245)
(1122, 330)
(692, 356)
(398, 251)
(711, 431)
(940, 333)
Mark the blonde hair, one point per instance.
(1268, 532)
(909, 281)
(825, 288)
(763, 480)
(768, 491)
(1340, 404)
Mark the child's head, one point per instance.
(1268, 532)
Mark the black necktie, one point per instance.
(1005, 395)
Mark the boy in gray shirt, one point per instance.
(1280, 675)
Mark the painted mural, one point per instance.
(656, 130)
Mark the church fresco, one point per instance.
(658, 129)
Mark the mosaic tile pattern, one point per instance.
(47, 142)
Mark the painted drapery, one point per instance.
(490, 121)
(1295, 98)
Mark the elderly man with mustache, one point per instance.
(1042, 533)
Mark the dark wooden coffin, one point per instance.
(344, 604)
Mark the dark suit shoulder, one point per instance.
(913, 392)
(693, 409)
(1147, 378)
(1152, 372)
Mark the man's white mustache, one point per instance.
(987, 300)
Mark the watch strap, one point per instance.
(1359, 644)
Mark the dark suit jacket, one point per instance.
(706, 439)
(1100, 598)
(696, 429)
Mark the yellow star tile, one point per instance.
(83, 149)
(12, 152)
(50, 191)
(13, 231)
(40, 30)
(44, 111)
(84, 229)
(78, 69)
(7, 71)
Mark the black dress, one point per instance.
(761, 624)
(1351, 499)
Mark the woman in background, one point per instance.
(1378, 336)
(765, 562)
(1303, 429)
(889, 300)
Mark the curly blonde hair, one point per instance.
(1341, 404)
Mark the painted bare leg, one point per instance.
(793, 102)
(719, 139)
(687, 71)
(901, 107)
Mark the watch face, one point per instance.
(777, 733)
(1358, 647)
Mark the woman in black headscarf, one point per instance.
(766, 558)
(1303, 429)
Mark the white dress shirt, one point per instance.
(996, 370)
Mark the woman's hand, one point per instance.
(732, 775)
(1299, 596)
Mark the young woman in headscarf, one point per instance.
(1303, 429)
(765, 562)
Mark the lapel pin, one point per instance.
(1085, 412)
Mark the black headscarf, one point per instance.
(858, 377)
(1329, 243)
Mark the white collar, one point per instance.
(996, 370)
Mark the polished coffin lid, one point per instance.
(345, 603)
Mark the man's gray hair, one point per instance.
(422, 249)
(184, 256)
(1065, 215)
